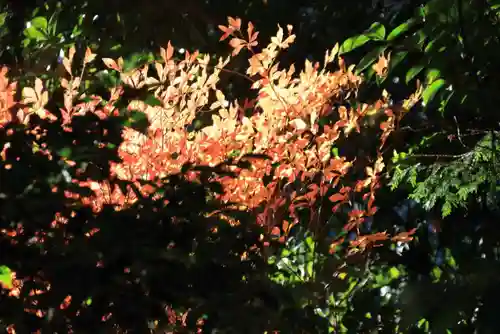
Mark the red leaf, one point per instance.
(337, 197)
(227, 32)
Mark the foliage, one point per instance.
(123, 28)
(465, 176)
(139, 199)
(444, 158)
(455, 117)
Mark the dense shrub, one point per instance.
(157, 203)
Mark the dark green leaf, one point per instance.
(152, 101)
(396, 59)
(413, 72)
(137, 121)
(370, 58)
(445, 101)
(416, 41)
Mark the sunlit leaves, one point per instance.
(89, 56)
(234, 25)
(400, 30)
(112, 64)
(37, 97)
(278, 39)
(331, 54)
(353, 43)
(376, 31)
(37, 29)
(271, 157)
(431, 90)
(382, 66)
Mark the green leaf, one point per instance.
(431, 90)
(370, 72)
(436, 273)
(413, 72)
(3, 16)
(432, 74)
(402, 28)
(444, 102)
(435, 42)
(40, 23)
(370, 58)
(396, 59)
(34, 34)
(309, 269)
(450, 260)
(152, 101)
(394, 273)
(137, 120)
(415, 41)
(6, 277)
(446, 209)
(353, 43)
(422, 322)
(310, 243)
(376, 31)
(65, 152)
(335, 152)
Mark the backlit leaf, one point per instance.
(34, 33)
(40, 23)
(5, 277)
(401, 29)
(376, 31)
(353, 43)
(431, 90)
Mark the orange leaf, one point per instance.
(110, 63)
(89, 56)
(170, 51)
(237, 45)
(234, 22)
(381, 67)
(67, 65)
